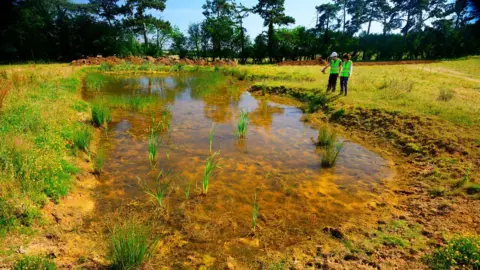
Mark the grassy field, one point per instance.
(45, 126)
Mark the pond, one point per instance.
(277, 162)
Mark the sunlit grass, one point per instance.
(82, 138)
(331, 153)
(326, 137)
(101, 115)
(131, 245)
(210, 166)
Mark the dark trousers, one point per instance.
(332, 82)
(344, 85)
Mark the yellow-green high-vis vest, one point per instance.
(346, 69)
(335, 66)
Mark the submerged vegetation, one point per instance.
(256, 208)
(161, 183)
(131, 245)
(153, 142)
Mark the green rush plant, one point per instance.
(82, 139)
(210, 137)
(153, 142)
(326, 137)
(256, 208)
(330, 156)
(131, 245)
(99, 160)
(210, 166)
(187, 190)
(34, 263)
(242, 126)
(161, 184)
(101, 115)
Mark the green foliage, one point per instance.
(459, 253)
(177, 67)
(99, 160)
(242, 126)
(326, 137)
(82, 138)
(331, 153)
(162, 181)
(210, 166)
(95, 81)
(186, 191)
(337, 114)
(34, 263)
(101, 115)
(106, 66)
(153, 142)
(210, 137)
(131, 245)
(446, 94)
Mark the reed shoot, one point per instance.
(330, 157)
(153, 142)
(159, 192)
(242, 125)
(211, 165)
(130, 245)
(210, 138)
(256, 207)
(187, 191)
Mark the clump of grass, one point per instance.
(106, 66)
(242, 126)
(99, 160)
(159, 192)
(177, 67)
(326, 137)
(82, 139)
(446, 94)
(101, 115)
(459, 253)
(153, 142)
(210, 137)
(162, 125)
(330, 156)
(34, 263)
(210, 166)
(95, 81)
(256, 208)
(131, 245)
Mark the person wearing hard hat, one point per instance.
(345, 73)
(335, 66)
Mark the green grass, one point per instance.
(186, 190)
(210, 137)
(242, 126)
(135, 103)
(210, 166)
(131, 245)
(101, 115)
(82, 139)
(99, 160)
(326, 137)
(459, 253)
(153, 142)
(95, 81)
(330, 155)
(34, 263)
(159, 192)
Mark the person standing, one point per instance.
(335, 66)
(345, 73)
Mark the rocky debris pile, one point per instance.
(165, 61)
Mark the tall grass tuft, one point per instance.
(99, 160)
(326, 137)
(256, 208)
(446, 94)
(242, 126)
(330, 156)
(82, 139)
(153, 142)
(210, 166)
(101, 115)
(187, 190)
(210, 137)
(131, 245)
(95, 81)
(159, 192)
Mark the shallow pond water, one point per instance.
(277, 160)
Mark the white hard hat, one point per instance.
(334, 54)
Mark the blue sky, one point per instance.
(182, 13)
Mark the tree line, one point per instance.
(61, 30)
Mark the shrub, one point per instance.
(459, 253)
(34, 263)
(130, 245)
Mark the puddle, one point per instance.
(297, 197)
